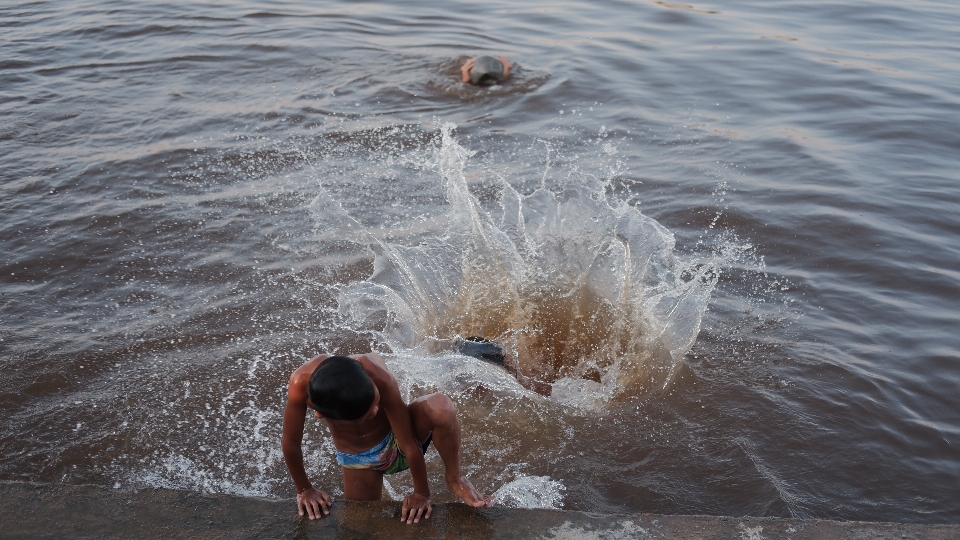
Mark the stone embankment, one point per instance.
(29, 510)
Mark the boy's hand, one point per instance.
(313, 502)
(414, 507)
(507, 66)
(465, 70)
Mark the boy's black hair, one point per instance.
(486, 70)
(340, 389)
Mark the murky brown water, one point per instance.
(725, 233)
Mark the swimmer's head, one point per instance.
(340, 389)
(486, 70)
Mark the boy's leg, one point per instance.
(436, 414)
(362, 485)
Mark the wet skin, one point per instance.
(465, 69)
(433, 414)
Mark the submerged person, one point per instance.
(488, 351)
(485, 70)
(374, 432)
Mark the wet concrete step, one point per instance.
(31, 510)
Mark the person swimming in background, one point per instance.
(374, 433)
(485, 70)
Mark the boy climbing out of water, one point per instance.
(374, 432)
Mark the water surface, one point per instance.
(726, 233)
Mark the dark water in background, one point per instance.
(194, 196)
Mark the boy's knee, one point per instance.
(440, 408)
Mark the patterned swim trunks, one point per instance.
(385, 457)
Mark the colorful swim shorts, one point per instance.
(385, 457)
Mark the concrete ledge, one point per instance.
(29, 510)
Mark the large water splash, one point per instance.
(584, 293)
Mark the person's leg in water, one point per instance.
(436, 414)
(362, 484)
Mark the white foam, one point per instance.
(531, 492)
(621, 530)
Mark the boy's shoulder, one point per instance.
(371, 362)
(302, 374)
(377, 369)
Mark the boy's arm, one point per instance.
(309, 500)
(416, 505)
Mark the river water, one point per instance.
(726, 234)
